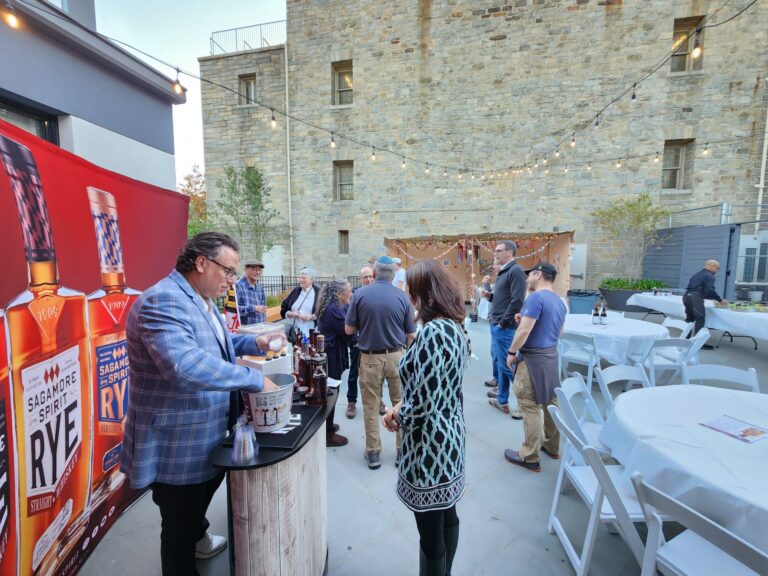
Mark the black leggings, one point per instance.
(431, 526)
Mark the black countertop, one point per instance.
(221, 457)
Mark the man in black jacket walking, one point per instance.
(701, 287)
(506, 301)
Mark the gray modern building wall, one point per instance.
(110, 107)
(484, 86)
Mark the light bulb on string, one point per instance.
(618, 163)
(333, 141)
(490, 176)
(506, 173)
(557, 152)
(573, 140)
(536, 164)
(597, 121)
(445, 171)
(426, 168)
(13, 21)
(273, 122)
(373, 154)
(589, 166)
(483, 176)
(634, 93)
(696, 52)
(498, 174)
(473, 175)
(546, 170)
(459, 176)
(566, 169)
(545, 159)
(403, 163)
(656, 158)
(177, 87)
(705, 152)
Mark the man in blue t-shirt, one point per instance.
(534, 351)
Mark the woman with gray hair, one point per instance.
(331, 312)
(301, 303)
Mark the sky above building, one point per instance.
(178, 32)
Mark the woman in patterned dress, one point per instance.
(431, 468)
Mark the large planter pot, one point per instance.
(617, 300)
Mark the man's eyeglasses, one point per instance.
(227, 270)
(500, 250)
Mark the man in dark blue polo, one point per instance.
(701, 287)
(382, 317)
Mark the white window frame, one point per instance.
(682, 28)
(339, 69)
(244, 81)
(338, 165)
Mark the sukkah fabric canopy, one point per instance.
(469, 257)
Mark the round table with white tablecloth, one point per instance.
(620, 338)
(659, 432)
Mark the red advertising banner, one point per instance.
(75, 236)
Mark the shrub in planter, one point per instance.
(616, 291)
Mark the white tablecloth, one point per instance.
(753, 324)
(618, 339)
(657, 432)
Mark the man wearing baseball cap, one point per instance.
(399, 280)
(251, 300)
(534, 351)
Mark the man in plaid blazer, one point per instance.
(182, 374)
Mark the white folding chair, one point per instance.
(701, 338)
(700, 373)
(684, 327)
(619, 373)
(666, 355)
(585, 420)
(577, 349)
(704, 548)
(609, 498)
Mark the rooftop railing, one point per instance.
(248, 38)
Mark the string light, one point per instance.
(459, 174)
(373, 154)
(557, 152)
(12, 20)
(706, 150)
(634, 94)
(656, 159)
(483, 176)
(177, 87)
(333, 141)
(566, 169)
(426, 169)
(490, 176)
(597, 121)
(589, 166)
(696, 52)
(618, 163)
(545, 159)
(273, 122)
(573, 140)
(473, 175)
(536, 164)
(445, 171)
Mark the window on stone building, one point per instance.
(343, 241)
(749, 264)
(762, 263)
(342, 82)
(343, 183)
(677, 168)
(247, 89)
(684, 38)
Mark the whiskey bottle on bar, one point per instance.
(48, 341)
(8, 503)
(107, 313)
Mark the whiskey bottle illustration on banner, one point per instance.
(107, 312)
(48, 341)
(8, 504)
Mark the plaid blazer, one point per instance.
(181, 375)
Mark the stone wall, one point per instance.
(486, 86)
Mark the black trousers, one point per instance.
(694, 310)
(354, 370)
(183, 522)
(431, 526)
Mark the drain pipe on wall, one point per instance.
(761, 185)
(288, 158)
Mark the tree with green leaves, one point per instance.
(243, 210)
(633, 223)
(194, 187)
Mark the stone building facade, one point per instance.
(486, 87)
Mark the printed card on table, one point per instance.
(738, 429)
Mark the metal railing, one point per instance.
(724, 213)
(248, 37)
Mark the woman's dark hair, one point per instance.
(206, 244)
(434, 292)
(329, 294)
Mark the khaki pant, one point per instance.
(540, 430)
(374, 368)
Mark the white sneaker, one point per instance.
(209, 545)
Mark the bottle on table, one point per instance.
(596, 315)
(603, 315)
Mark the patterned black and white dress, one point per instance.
(431, 472)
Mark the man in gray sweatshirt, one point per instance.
(506, 301)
